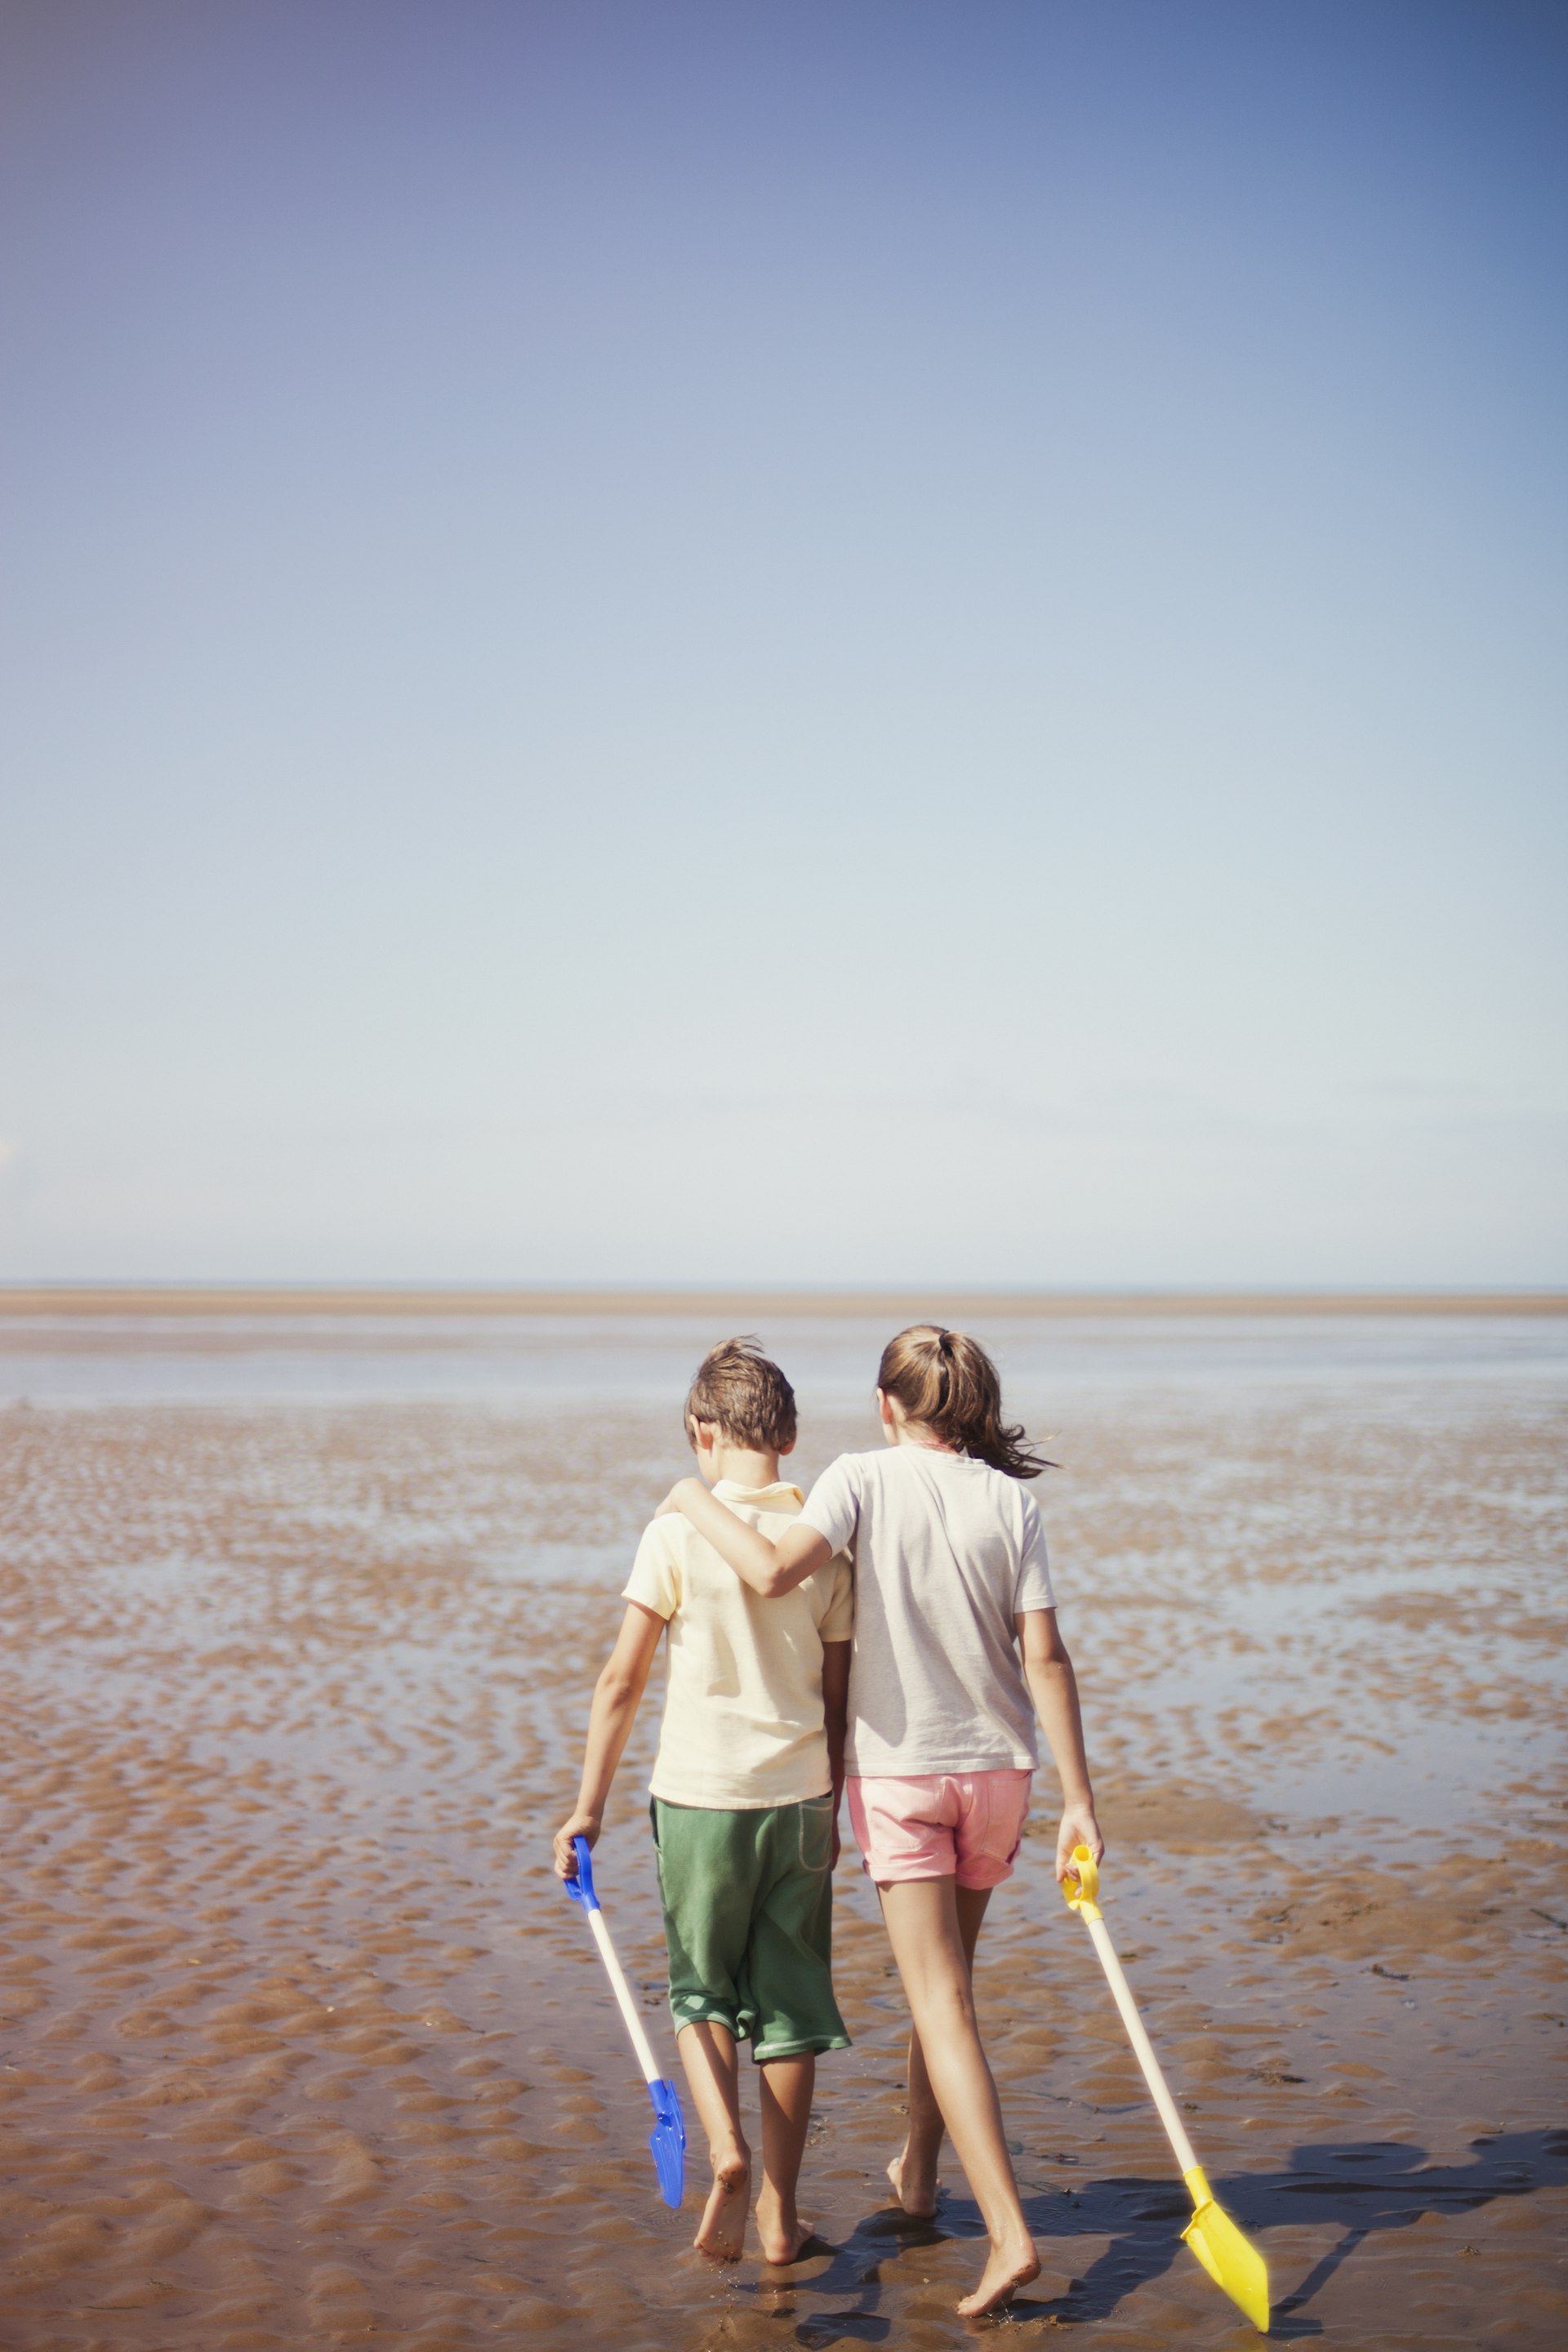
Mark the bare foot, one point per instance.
(781, 2235)
(916, 2197)
(723, 2232)
(1010, 2266)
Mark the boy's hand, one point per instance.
(1079, 1827)
(579, 1825)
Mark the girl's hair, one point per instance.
(947, 1382)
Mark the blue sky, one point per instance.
(783, 642)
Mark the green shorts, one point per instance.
(748, 1920)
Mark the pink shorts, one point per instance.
(963, 1825)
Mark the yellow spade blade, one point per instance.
(1232, 2261)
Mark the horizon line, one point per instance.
(720, 1299)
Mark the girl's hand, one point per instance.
(1079, 1827)
(579, 1825)
(673, 1500)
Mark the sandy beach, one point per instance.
(300, 2043)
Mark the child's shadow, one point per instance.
(1362, 2187)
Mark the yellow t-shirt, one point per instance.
(743, 1720)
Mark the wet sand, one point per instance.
(300, 2043)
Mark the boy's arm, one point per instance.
(617, 1694)
(835, 1716)
(1053, 1685)
(771, 1570)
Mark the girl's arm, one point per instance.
(617, 1696)
(836, 1715)
(1048, 1669)
(771, 1570)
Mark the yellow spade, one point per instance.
(1232, 2261)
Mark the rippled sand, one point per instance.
(302, 2045)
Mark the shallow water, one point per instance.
(300, 2043)
(647, 1359)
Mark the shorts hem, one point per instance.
(711, 2015)
(977, 1886)
(808, 2045)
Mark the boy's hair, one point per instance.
(748, 1396)
(947, 1382)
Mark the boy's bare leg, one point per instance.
(707, 2054)
(786, 2091)
(913, 2170)
(923, 1924)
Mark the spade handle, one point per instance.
(1121, 1993)
(624, 1996)
(1083, 1899)
(582, 1890)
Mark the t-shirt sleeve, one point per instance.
(833, 1505)
(653, 1582)
(839, 1622)
(1033, 1589)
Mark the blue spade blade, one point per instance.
(668, 2141)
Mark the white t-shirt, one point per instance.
(947, 1551)
(743, 1720)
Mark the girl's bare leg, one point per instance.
(707, 2054)
(922, 1925)
(786, 2090)
(913, 2170)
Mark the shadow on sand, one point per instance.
(1359, 2186)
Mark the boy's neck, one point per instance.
(739, 1465)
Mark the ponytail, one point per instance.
(947, 1382)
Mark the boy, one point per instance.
(745, 1796)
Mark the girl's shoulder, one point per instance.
(873, 1474)
(859, 1465)
(930, 1470)
(984, 1489)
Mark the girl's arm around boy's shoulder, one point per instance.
(771, 1569)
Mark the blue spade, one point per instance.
(668, 2140)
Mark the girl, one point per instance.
(956, 1652)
